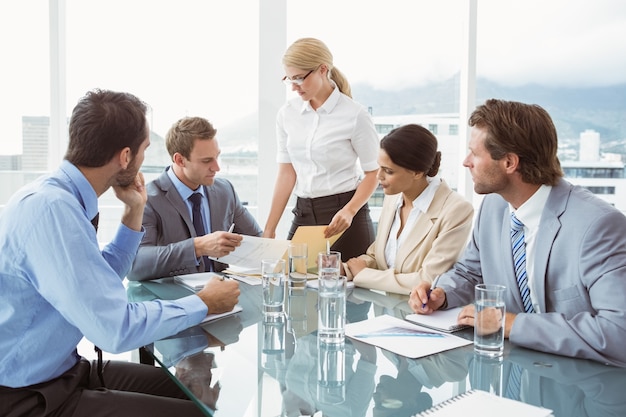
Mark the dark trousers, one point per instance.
(133, 390)
(320, 211)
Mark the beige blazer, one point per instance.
(435, 242)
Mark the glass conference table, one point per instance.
(248, 365)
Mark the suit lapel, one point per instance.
(549, 227)
(384, 227)
(176, 200)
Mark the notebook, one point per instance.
(195, 282)
(442, 320)
(213, 317)
(475, 403)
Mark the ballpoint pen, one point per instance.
(231, 228)
(432, 287)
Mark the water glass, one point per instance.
(331, 304)
(273, 277)
(297, 311)
(486, 373)
(328, 264)
(298, 264)
(331, 372)
(273, 350)
(489, 319)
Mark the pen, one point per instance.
(432, 287)
(231, 228)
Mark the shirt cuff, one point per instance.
(194, 308)
(128, 239)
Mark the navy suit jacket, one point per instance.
(167, 247)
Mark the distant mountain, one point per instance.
(573, 110)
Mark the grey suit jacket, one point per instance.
(167, 246)
(580, 274)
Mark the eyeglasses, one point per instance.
(297, 80)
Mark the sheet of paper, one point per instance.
(313, 236)
(212, 317)
(401, 337)
(252, 250)
(197, 281)
(444, 320)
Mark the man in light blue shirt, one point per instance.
(57, 286)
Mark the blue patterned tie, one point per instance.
(519, 260)
(198, 224)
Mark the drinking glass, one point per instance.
(298, 263)
(489, 319)
(273, 277)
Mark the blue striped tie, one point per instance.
(519, 260)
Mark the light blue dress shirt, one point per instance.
(57, 286)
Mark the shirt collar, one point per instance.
(184, 191)
(328, 105)
(422, 201)
(529, 213)
(81, 188)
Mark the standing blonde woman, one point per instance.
(322, 134)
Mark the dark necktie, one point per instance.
(94, 222)
(198, 224)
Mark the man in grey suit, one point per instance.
(575, 243)
(172, 244)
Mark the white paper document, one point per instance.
(197, 281)
(212, 317)
(401, 337)
(443, 320)
(252, 250)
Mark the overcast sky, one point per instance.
(199, 57)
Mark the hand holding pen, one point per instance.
(426, 298)
(217, 244)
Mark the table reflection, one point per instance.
(250, 364)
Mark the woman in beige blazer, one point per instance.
(423, 226)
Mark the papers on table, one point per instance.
(401, 337)
(313, 236)
(195, 282)
(246, 258)
(213, 317)
(442, 320)
(252, 250)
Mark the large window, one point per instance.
(198, 57)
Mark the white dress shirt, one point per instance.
(529, 213)
(420, 205)
(324, 145)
